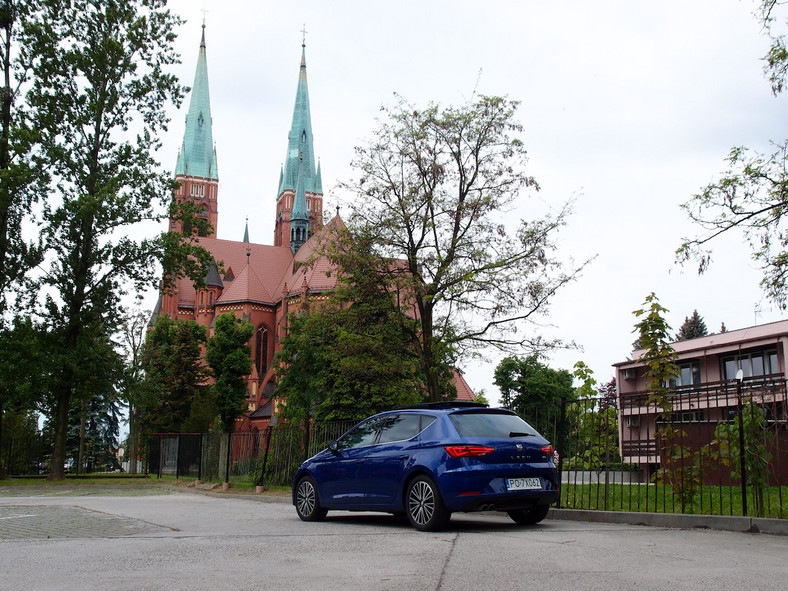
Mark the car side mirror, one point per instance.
(333, 447)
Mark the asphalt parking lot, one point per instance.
(155, 538)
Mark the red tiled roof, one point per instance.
(266, 270)
(464, 391)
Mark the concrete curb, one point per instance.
(677, 521)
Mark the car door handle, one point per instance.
(403, 457)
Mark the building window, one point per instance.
(753, 365)
(689, 375)
(261, 351)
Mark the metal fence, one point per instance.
(716, 451)
(268, 457)
(706, 453)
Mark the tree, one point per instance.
(608, 394)
(692, 328)
(678, 467)
(350, 356)
(22, 367)
(22, 180)
(229, 356)
(533, 389)
(435, 185)
(94, 427)
(135, 329)
(658, 355)
(752, 195)
(175, 379)
(100, 72)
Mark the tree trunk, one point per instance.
(82, 419)
(2, 465)
(57, 469)
(133, 440)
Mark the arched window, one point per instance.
(261, 350)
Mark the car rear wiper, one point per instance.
(520, 434)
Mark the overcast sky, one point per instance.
(631, 107)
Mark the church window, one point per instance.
(210, 299)
(261, 351)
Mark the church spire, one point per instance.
(196, 169)
(301, 167)
(197, 156)
(300, 145)
(299, 218)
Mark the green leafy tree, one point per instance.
(176, 396)
(751, 195)
(692, 328)
(678, 468)
(132, 386)
(229, 356)
(533, 390)
(23, 361)
(351, 356)
(22, 179)
(100, 70)
(433, 191)
(757, 437)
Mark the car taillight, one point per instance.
(468, 451)
(548, 450)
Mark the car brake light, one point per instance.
(548, 450)
(468, 451)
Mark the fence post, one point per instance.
(561, 445)
(199, 461)
(227, 465)
(178, 457)
(161, 454)
(739, 378)
(261, 480)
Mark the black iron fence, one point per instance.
(716, 450)
(721, 449)
(264, 458)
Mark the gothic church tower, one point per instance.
(196, 169)
(299, 205)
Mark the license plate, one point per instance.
(523, 483)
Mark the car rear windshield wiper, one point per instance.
(520, 434)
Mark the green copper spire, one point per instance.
(299, 217)
(246, 230)
(299, 145)
(197, 156)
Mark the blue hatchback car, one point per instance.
(428, 461)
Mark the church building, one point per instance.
(260, 283)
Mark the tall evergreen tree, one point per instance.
(692, 328)
(175, 378)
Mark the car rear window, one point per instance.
(489, 424)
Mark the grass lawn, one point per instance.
(660, 498)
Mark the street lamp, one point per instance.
(739, 379)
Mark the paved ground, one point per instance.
(151, 538)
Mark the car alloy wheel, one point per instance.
(307, 501)
(425, 508)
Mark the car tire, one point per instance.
(424, 505)
(307, 500)
(530, 516)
